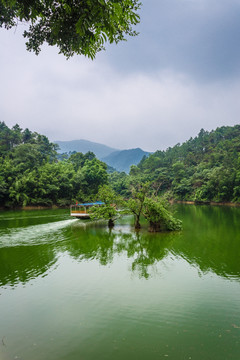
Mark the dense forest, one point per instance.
(30, 173)
(203, 169)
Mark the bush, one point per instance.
(159, 217)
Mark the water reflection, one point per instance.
(20, 264)
(210, 241)
(143, 249)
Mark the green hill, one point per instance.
(203, 169)
(30, 173)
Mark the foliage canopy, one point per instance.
(136, 202)
(107, 211)
(75, 27)
(30, 173)
(159, 217)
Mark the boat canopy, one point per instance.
(91, 204)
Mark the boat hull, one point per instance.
(80, 216)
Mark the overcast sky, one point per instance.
(181, 74)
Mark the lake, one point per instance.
(73, 290)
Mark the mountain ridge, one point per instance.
(121, 160)
(82, 145)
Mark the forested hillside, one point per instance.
(206, 168)
(203, 169)
(31, 175)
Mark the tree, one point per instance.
(94, 174)
(159, 217)
(5, 138)
(75, 27)
(27, 136)
(120, 183)
(16, 137)
(108, 210)
(136, 203)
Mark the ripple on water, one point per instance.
(34, 234)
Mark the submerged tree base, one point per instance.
(154, 227)
(110, 223)
(137, 225)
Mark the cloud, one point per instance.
(82, 99)
(180, 75)
(197, 37)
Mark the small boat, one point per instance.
(80, 211)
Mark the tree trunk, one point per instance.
(137, 223)
(110, 223)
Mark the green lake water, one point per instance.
(72, 290)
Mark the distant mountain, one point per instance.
(123, 159)
(84, 146)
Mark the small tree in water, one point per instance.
(136, 204)
(108, 210)
(159, 217)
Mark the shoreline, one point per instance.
(33, 207)
(55, 207)
(211, 203)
